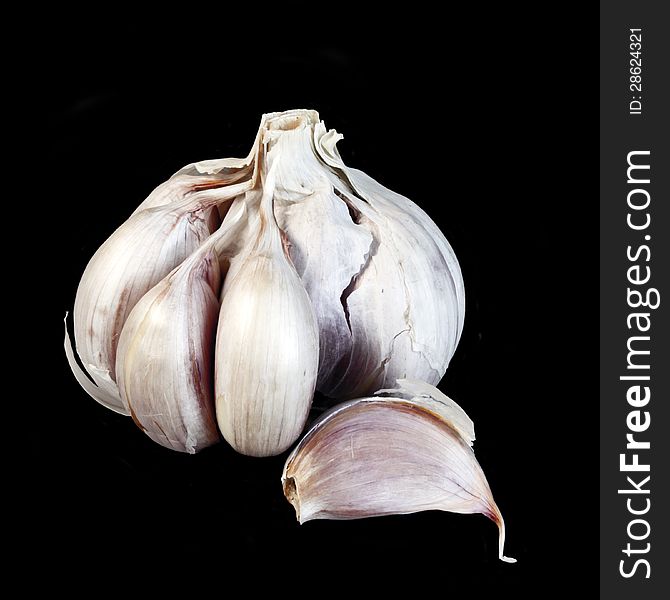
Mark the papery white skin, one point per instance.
(267, 347)
(187, 182)
(204, 174)
(393, 455)
(423, 320)
(165, 356)
(386, 286)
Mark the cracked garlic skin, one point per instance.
(404, 453)
(385, 284)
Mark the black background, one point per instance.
(487, 120)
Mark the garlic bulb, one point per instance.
(175, 220)
(166, 350)
(267, 347)
(329, 280)
(400, 454)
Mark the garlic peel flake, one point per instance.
(106, 392)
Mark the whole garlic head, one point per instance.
(334, 283)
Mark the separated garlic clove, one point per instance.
(267, 347)
(165, 356)
(137, 255)
(390, 455)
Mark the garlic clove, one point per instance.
(133, 259)
(266, 345)
(394, 455)
(165, 356)
(136, 257)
